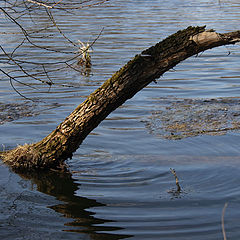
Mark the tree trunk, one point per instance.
(54, 149)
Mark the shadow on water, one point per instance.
(62, 186)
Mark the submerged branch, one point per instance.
(54, 149)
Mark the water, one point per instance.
(121, 186)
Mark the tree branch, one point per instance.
(54, 149)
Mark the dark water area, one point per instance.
(120, 185)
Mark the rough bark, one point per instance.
(144, 68)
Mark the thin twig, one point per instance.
(11, 83)
(27, 36)
(40, 71)
(59, 30)
(40, 4)
(176, 178)
(21, 68)
(223, 228)
(56, 3)
(12, 78)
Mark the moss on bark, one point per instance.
(124, 84)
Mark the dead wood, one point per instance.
(54, 149)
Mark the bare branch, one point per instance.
(40, 4)
(34, 37)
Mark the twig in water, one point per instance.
(223, 229)
(176, 178)
(85, 51)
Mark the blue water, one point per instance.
(121, 186)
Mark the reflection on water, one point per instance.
(121, 181)
(63, 188)
(134, 196)
(138, 194)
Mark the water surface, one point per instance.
(121, 186)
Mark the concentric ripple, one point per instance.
(138, 195)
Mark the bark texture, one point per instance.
(144, 68)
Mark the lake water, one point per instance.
(121, 186)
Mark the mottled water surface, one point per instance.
(121, 186)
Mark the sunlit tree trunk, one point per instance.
(54, 149)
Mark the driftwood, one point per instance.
(54, 149)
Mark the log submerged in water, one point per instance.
(54, 149)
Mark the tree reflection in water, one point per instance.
(62, 186)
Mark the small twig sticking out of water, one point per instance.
(223, 229)
(176, 178)
(85, 51)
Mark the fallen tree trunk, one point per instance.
(54, 149)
